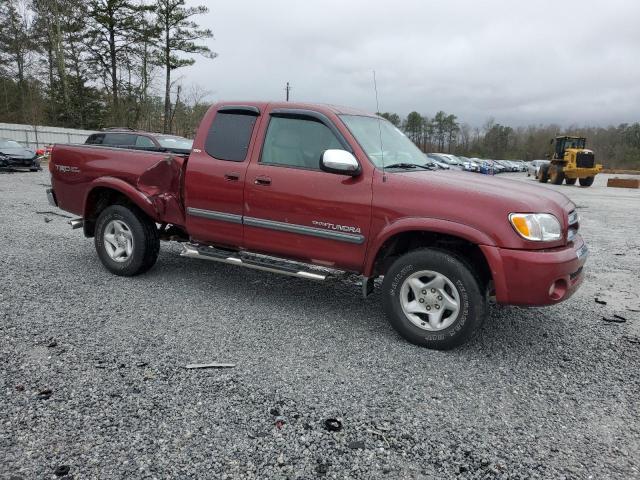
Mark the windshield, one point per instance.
(178, 143)
(382, 142)
(9, 144)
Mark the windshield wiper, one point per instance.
(410, 166)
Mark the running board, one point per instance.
(267, 264)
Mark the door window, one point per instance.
(230, 135)
(297, 142)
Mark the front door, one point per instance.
(294, 209)
(216, 174)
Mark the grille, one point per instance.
(573, 221)
(585, 160)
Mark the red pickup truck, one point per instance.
(307, 190)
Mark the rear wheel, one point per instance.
(433, 299)
(543, 174)
(556, 174)
(570, 181)
(586, 181)
(126, 240)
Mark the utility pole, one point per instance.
(287, 89)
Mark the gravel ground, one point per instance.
(93, 375)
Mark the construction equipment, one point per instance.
(569, 162)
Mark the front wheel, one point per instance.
(126, 240)
(433, 299)
(543, 174)
(586, 181)
(570, 181)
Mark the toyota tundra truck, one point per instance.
(312, 190)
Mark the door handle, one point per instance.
(232, 176)
(262, 181)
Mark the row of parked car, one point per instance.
(481, 165)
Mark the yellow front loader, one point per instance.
(570, 161)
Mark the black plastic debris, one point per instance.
(615, 319)
(601, 302)
(45, 394)
(62, 470)
(333, 424)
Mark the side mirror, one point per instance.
(339, 161)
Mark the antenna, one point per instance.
(287, 89)
(375, 87)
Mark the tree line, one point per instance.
(99, 63)
(614, 146)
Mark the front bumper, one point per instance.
(11, 162)
(537, 277)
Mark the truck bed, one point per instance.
(153, 178)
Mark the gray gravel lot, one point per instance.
(541, 393)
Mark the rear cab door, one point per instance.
(216, 171)
(292, 208)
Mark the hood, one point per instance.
(480, 201)
(18, 152)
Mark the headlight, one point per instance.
(539, 227)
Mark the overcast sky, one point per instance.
(563, 61)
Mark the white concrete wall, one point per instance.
(39, 136)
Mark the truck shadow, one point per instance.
(337, 303)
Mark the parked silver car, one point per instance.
(533, 168)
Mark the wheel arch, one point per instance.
(108, 191)
(406, 235)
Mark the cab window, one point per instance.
(230, 135)
(297, 142)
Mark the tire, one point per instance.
(570, 181)
(556, 174)
(586, 181)
(460, 285)
(34, 169)
(132, 231)
(543, 174)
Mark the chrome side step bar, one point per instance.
(257, 262)
(76, 223)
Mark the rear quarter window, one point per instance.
(95, 139)
(229, 136)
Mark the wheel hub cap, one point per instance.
(430, 300)
(118, 240)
